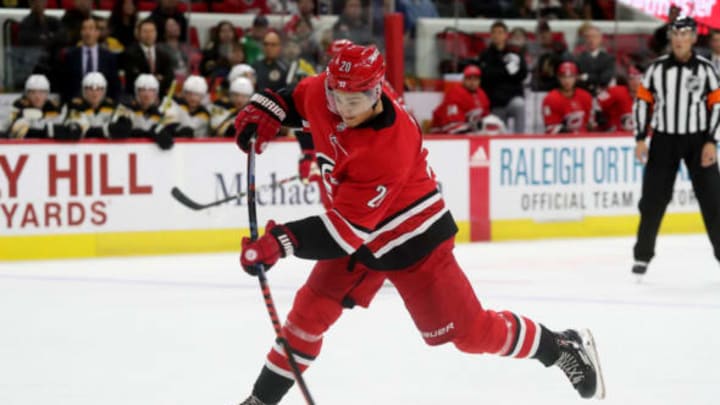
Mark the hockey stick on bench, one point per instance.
(264, 286)
(183, 199)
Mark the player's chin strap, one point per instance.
(264, 286)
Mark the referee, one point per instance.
(679, 99)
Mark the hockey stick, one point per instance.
(264, 286)
(183, 199)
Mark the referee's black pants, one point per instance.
(666, 152)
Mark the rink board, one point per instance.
(574, 186)
(60, 200)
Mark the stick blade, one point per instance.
(185, 200)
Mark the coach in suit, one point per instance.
(88, 57)
(146, 56)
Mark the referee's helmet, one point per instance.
(684, 23)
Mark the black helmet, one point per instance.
(683, 23)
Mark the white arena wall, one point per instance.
(60, 200)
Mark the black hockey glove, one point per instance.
(120, 129)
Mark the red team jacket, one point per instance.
(460, 111)
(564, 114)
(616, 105)
(385, 207)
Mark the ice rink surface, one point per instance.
(193, 330)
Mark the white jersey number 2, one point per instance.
(378, 199)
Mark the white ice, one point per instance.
(193, 330)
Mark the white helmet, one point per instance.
(195, 84)
(146, 81)
(242, 85)
(37, 82)
(94, 80)
(241, 70)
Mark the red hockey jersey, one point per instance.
(563, 114)
(460, 111)
(616, 106)
(386, 209)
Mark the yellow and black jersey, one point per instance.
(79, 111)
(222, 115)
(26, 120)
(198, 120)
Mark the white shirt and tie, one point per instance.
(89, 59)
(149, 52)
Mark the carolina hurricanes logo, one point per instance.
(574, 120)
(327, 166)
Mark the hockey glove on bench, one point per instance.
(277, 242)
(262, 116)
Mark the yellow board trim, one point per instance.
(590, 226)
(66, 246)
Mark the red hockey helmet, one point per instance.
(567, 69)
(355, 69)
(337, 45)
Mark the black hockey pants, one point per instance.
(663, 163)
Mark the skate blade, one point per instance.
(591, 348)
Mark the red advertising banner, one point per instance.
(705, 12)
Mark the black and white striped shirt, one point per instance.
(679, 98)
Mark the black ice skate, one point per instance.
(252, 400)
(579, 361)
(639, 269)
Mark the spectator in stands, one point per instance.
(86, 58)
(223, 111)
(122, 21)
(309, 49)
(34, 115)
(548, 9)
(73, 19)
(492, 9)
(715, 49)
(216, 53)
(552, 53)
(353, 24)
(182, 53)
(40, 38)
(108, 42)
(271, 71)
(38, 29)
(414, 9)
(169, 9)
(149, 118)
(298, 66)
(597, 67)
(518, 43)
(14, 3)
(660, 39)
(95, 113)
(145, 57)
(463, 107)
(600, 9)
(504, 72)
(252, 40)
(305, 12)
(567, 109)
(193, 116)
(242, 6)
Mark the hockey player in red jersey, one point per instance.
(463, 107)
(568, 108)
(615, 104)
(386, 220)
